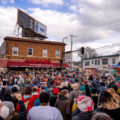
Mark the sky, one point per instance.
(96, 23)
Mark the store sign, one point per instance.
(68, 57)
(37, 61)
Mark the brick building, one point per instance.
(14, 53)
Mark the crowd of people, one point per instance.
(59, 95)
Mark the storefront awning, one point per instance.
(24, 64)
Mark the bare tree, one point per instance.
(88, 53)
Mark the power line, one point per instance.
(110, 46)
(98, 29)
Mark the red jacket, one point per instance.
(31, 102)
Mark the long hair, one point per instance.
(62, 93)
(101, 116)
(107, 101)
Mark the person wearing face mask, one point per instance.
(63, 104)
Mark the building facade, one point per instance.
(17, 51)
(101, 62)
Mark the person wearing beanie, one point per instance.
(54, 96)
(10, 105)
(4, 111)
(85, 108)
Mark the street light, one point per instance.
(64, 39)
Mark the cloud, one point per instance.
(91, 20)
(73, 8)
(8, 18)
(59, 24)
(57, 2)
(96, 2)
(7, 1)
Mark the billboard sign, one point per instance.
(29, 23)
(40, 29)
(68, 57)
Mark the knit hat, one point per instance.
(55, 91)
(10, 105)
(4, 112)
(85, 103)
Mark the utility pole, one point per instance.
(61, 61)
(71, 36)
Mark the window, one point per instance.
(45, 53)
(98, 62)
(113, 61)
(95, 62)
(104, 61)
(92, 62)
(87, 63)
(15, 51)
(30, 51)
(57, 53)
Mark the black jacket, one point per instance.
(114, 114)
(53, 100)
(83, 116)
(22, 112)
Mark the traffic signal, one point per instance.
(82, 50)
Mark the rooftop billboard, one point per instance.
(31, 24)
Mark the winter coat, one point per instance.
(63, 104)
(31, 102)
(26, 99)
(21, 113)
(114, 114)
(83, 116)
(95, 100)
(53, 100)
(37, 102)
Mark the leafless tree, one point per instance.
(88, 53)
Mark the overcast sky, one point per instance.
(96, 23)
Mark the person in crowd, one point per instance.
(109, 105)
(75, 93)
(94, 96)
(4, 111)
(85, 108)
(101, 116)
(27, 95)
(54, 96)
(114, 94)
(63, 104)
(91, 78)
(102, 87)
(34, 96)
(21, 113)
(44, 111)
